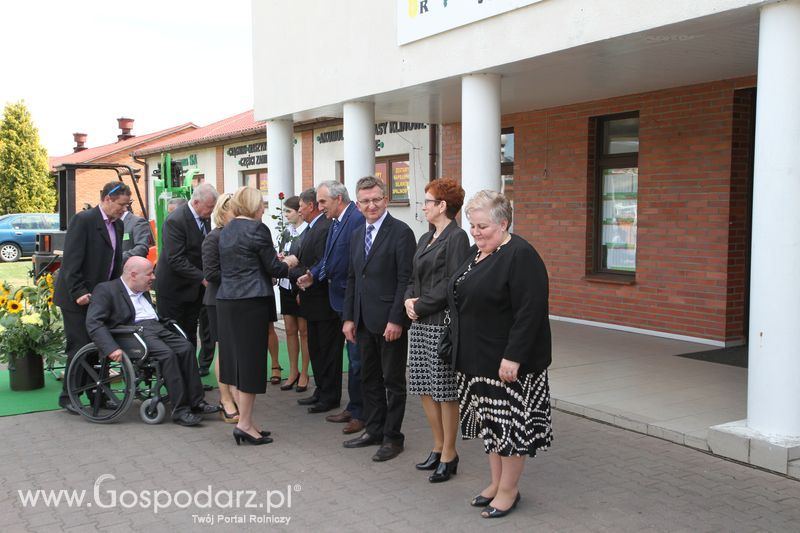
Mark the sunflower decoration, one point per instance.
(3, 300)
(14, 306)
(18, 296)
(50, 300)
(49, 279)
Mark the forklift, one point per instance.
(171, 182)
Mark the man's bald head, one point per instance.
(138, 274)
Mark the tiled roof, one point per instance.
(98, 152)
(231, 127)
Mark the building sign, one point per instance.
(381, 128)
(249, 154)
(417, 19)
(399, 181)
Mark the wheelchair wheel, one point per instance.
(100, 389)
(152, 414)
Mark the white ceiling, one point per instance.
(717, 47)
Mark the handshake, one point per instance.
(290, 260)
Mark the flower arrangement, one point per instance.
(281, 226)
(29, 322)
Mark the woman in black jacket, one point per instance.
(246, 305)
(220, 216)
(501, 346)
(438, 255)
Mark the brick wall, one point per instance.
(688, 281)
(219, 156)
(307, 140)
(88, 183)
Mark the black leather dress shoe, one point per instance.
(362, 441)
(480, 501)
(311, 400)
(444, 471)
(205, 408)
(203, 372)
(321, 408)
(493, 512)
(187, 418)
(387, 451)
(430, 463)
(111, 405)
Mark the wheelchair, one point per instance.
(102, 390)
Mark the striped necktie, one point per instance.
(368, 240)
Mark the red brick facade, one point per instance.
(307, 146)
(694, 175)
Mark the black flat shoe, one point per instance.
(480, 501)
(444, 471)
(239, 435)
(493, 512)
(289, 385)
(430, 463)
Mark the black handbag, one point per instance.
(445, 347)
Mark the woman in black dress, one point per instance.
(439, 253)
(220, 216)
(501, 338)
(295, 324)
(246, 305)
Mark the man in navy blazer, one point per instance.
(92, 254)
(381, 255)
(334, 201)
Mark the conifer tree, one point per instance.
(26, 185)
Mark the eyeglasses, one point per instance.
(427, 201)
(373, 201)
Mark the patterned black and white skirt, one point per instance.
(511, 418)
(427, 374)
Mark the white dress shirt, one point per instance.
(143, 309)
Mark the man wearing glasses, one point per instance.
(381, 254)
(92, 254)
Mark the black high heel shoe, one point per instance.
(493, 512)
(290, 384)
(239, 435)
(444, 471)
(431, 462)
(301, 388)
(276, 380)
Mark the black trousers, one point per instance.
(178, 365)
(383, 383)
(208, 337)
(186, 314)
(325, 345)
(77, 338)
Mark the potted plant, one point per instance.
(31, 332)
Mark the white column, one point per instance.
(280, 166)
(480, 133)
(773, 392)
(359, 143)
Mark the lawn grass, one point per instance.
(16, 274)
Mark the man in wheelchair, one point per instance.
(126, 301)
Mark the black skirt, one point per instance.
(289, 303)
(513, 419)
(243, 342)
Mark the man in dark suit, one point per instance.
(381, 254)
(126, 301)
(92, 254)
(325, 339)
(136, 237)
(179, 273)
(334, 201)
